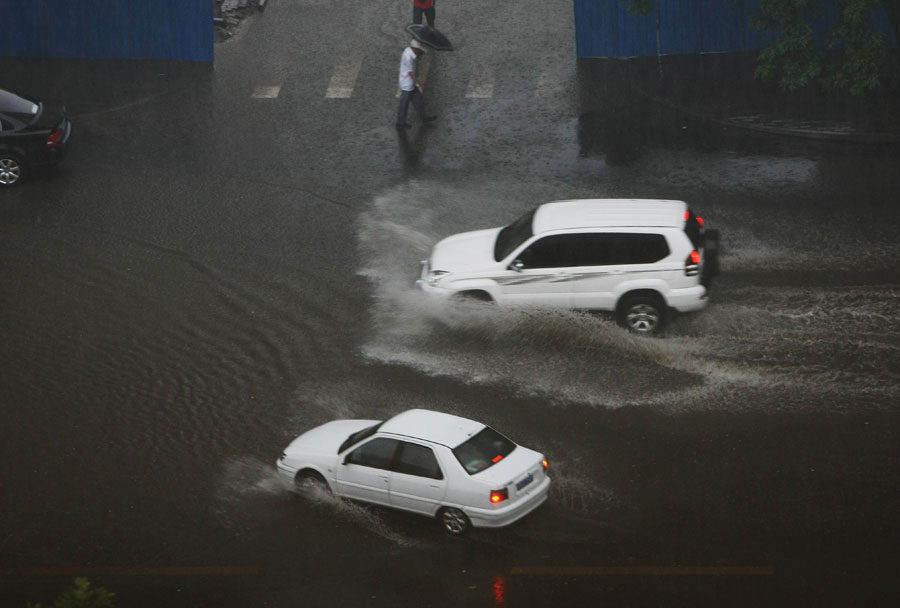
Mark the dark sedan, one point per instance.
(32, 134)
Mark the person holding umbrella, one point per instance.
(411, 88)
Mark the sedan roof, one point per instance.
(436, 427)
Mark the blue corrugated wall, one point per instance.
(178, 30)
(603, 28)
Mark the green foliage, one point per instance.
(794, 60)
(82, 596)
(639, 7)
(854, 55)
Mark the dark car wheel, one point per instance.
(474, 296)
(12, 169)
(310, 482)
(454, 521)
(644, 315)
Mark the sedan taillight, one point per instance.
(499, 495)
(55, 138)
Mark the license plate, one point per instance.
(521, 484)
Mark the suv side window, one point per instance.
(549, 252)
(378, 453)
(595, 249)
(417, 460)
(637, 248)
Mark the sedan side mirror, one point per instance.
(517, 265)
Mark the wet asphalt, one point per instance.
(226, 257)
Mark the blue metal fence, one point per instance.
(179, 30)
(603, 28)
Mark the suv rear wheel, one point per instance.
(642, 314)
(475, 296)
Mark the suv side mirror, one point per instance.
(517, 265)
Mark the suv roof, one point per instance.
(608, 212)
(436, 427)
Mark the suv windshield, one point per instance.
(482, 450)
(359, 436)
(513, 235)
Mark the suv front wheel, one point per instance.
(644, 315)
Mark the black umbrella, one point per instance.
(430, 36)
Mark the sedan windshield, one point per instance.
(358, 436)
(17, 106)
(482, 450)
(513, 235)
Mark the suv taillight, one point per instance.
(55, 138)
(692, 264)
(499, 495)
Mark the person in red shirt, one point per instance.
(423, 6)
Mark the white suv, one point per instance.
(636, 257)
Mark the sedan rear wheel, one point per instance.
(12, 170)
(454, 521)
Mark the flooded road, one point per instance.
(178, 305)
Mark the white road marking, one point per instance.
(266, 92)
(481, 86)
(344, 78)
(546, 85)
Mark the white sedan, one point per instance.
(458, 470)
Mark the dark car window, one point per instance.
(694, 229)
(484, 449)
(378, 453)
(594, 249)
(510, 237)
(549, 252)
(637, 248)
(18, 107)
(417, 460)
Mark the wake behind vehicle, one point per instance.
(33, 134)
(460, 471)
(637, 257)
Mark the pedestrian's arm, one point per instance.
(418, 82)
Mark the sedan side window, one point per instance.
(417, 460)
(378, 453)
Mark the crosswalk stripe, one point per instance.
(266, 91)
(481, 86)
(344, 78)
(545, 85)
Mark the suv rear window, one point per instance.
(693, 227)
(484, 449)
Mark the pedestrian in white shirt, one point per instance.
(411, 88)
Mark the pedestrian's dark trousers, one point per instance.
(429, 15)
(418, 101)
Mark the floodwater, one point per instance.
(172, 316)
